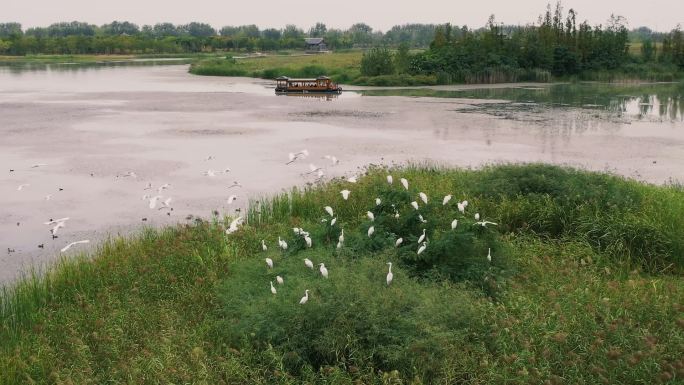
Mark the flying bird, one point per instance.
(231, 199)
(233, 225)
(67, 247)
(279, 279)
(21, 186)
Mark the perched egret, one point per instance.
(345, 194)
(489, 254)
(398, 242)
(323, 270)
(339, 245)
(422, 237)
(305, 297)
(404, 183)
(446, 199)
(67, 247)
(231, 199)
(370, 216)
(390, 180)
(415, 205)
(454, 223)
(341, 238)
(307, 239)
(329, 210)
(269, 262)
(378, 201)
(423, 197)
(279, 279)
(477, 216)
(351, 179)
(263, 245)
(422, 248)
(333, 221)
(371, 230)
(390, 276)
(308, 263)
(273, 289)
(461, 207)
(283, 245)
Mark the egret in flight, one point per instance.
(454, 223)
(67, 247)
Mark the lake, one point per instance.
(99, 135)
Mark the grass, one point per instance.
(584, 287)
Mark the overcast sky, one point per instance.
(379, 14)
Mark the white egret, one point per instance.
(329, 210)
(263, 245)
(209, 173)
(307, 239)
(390, 276)
(398, 242)
(422, 237)
(53, 221)
(273, 289)
(415, 205)
(233, 225)
(477, 216)
(446, 199)
(485, 223)
(305, 297)
(341, 237)
(67, 247)
(390, 180)
(420, 218)
(269, 262)
(454, 223)
(232, 199)
(465, 203)
(296, 230)
(378, 201)
(370, 216)
(345, 194)
(313, 168)
(371, 230)
(423, 197)
(489, 254)
(308, 263)
(283, 245)
(149, 186)
(339, 245)
(333, 221)
(461, 207)
(323, 270)
(279, 279)
(404, 183)
(57, 227)
(351, 179)
(21, 186)
(422, 248)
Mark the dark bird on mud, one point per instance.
(41, 246)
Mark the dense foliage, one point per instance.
(584, 287)
(126, 38)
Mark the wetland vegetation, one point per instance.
(584, 286)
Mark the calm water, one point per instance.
(92, 125)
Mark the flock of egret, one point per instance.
(422, 241)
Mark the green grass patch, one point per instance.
(584, 286)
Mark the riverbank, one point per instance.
(584, 286)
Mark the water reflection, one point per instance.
(643, 101)
(18, 68)
(327, 97)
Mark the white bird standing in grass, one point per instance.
(423, 197)
(420, 218)
(454, 223)
(390, 180)
(323, 270)
(269, 263)
(308, 263)
(371, 230)
(422, 248)
(422, 237)
(345, 194)
(446, 199)
(477, 216)
(307, 239)
(279, 279)
(461, 207)
(404, 183)
(233, 225)
(329, 210)
(333, 221)
(398, 242)
(273, 289)
(415, 205)
(283, 244)
(370, 216)
(67, 247)
(263, 245)
(390, 276)
(305, 297)
(489, 255)
(341, 237)
(378, 201)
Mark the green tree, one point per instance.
(376, 62)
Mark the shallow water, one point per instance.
(93, 125)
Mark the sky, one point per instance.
(661, 15)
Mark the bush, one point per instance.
(376, 62)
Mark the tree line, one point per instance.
(128, 38)
(557, 45)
